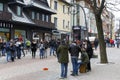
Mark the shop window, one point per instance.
(20, 34)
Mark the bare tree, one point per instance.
(97, 6)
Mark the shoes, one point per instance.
(61, 78)
(88, 70)
(74, 74)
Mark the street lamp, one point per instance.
(75, 10)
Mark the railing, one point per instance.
(44, 24)
(5, 16)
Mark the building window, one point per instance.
(63, 24)
(43, 17)
(55, 5)
(55, 21)
(19, 11)
(68, 10)
(1, 6)
(68, 25)
(63, 8)
(38, 16)
(47, 18)
(33, 15)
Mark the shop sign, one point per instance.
(4, 30)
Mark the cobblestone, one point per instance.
(32, 69)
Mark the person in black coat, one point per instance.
(33, 48)
(89, 51)
(96, 43)
(74, 52)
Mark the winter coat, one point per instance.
(34, 46)
(74, 50)
(84, 57)
(63, 54)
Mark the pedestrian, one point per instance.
(74, 50)
(96, 43)
(3, 45)
(63, 59)
(57, 45)
(7, 47)
(84, 59)
(89, 51)
(12, 51)
(22, 48)
(52, 46)
(45, 44)
(28, 43)
(117, 43)
(41, 48)
(18, 49)
(33, 48)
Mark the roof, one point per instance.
(42, 7)
(23, 19)
(17, 2)
(66, 1)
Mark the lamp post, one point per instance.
(75, 11)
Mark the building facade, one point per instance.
(29, 20)
(61, 19)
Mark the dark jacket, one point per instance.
(63, 54)
(34, 46)
(84, 57)
(74, 50)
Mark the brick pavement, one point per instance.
(32, 69)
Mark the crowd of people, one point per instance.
(112, 42)
(75, 49)
(61, 49)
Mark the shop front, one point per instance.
(5, 31)
(4, 34)
(20, 34)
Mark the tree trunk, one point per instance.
(103, 54)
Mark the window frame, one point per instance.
(43, 17)
(19, 11)
(63, 24)
(55, 5)
(47, 18)
(32, 15)
(63, 8)
(2, 9)
(55, 21)
(38, 16)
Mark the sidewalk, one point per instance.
(32, 69)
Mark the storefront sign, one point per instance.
(4, 30)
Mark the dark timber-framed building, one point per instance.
(31, 20)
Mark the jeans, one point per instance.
(18, 52)
(79, 64)
(64, 69)
(41, 53)
(51, 50)
(75, 65)
(8, 57)
(3, 51)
